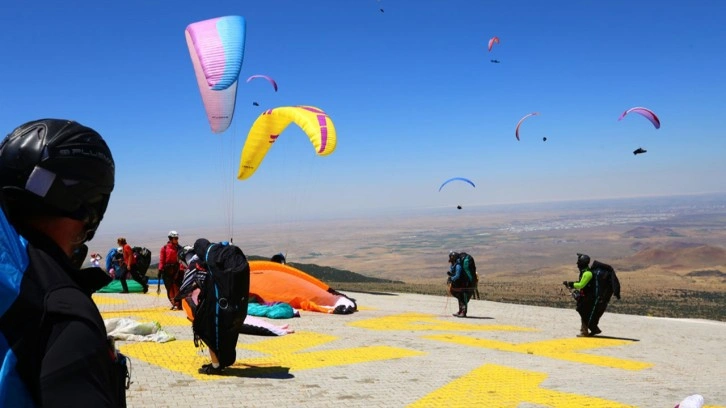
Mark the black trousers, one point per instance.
(135, 275)
(463, 295)
(591, 310)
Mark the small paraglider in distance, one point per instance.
(381, 10)
(639, 150)
(255, 104)
(495, 61)
(266, 77)
(458, 207)
(646, 113)
(544, 139)
(492, 41)
(516, 129)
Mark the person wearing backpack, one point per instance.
(585, 295)
(129, 265)
(223, 299)
(171, 270)
(56, 179)
(462, 275)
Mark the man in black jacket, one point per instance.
(56, 178)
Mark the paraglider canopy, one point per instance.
(466, 180)
(216, 47)
(268, 127)
(645, 112)
(492, 41)
(268, 78)
(516, 129)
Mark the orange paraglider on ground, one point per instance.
(276, 282)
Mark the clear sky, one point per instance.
(411, 91)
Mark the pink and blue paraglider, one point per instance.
(216, 47)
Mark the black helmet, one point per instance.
(57, 167)
(279, 258)
(583, 261)
(453, 255)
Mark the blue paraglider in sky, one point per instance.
(454, 179)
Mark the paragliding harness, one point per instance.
(222, 305)
(605, 280)
(143, 259)
(603, 285)
(469, 279)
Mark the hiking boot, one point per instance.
(583, 331)
(595, 330)
(210, 370)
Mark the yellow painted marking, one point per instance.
(504, 387)
(162, 314)
(560, 349)
(107, 300)
(428, 322)
(283, 354)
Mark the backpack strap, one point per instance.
(216, 295)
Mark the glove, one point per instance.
(565, 283)
(571, 285)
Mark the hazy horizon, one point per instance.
(367, 240)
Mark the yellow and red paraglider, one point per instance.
(316, 124)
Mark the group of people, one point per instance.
(56, 179)
(592, 298)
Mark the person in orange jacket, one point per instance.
(129, 265)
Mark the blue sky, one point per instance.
(411, 91)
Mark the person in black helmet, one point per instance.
(585, 296)
(56, 178)
(279, 258)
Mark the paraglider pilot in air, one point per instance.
(639, 150)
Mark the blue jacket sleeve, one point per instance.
(456, 268)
